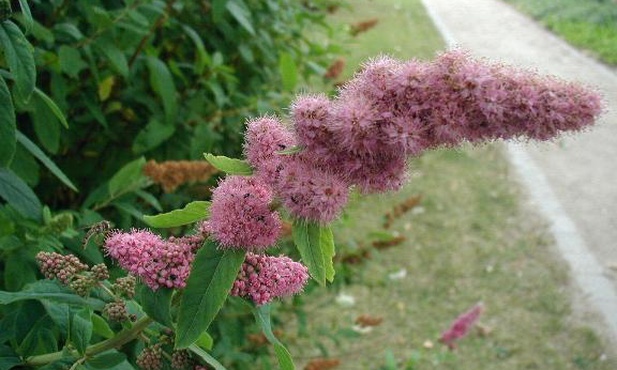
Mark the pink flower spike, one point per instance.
(461, 326)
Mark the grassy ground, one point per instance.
(468, 240)
(591, 25)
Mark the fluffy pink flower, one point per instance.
(461, 325)
(264, 138)
(311, 192)
(158, 262)
(240, 215)
(263, 278)
(312, 119)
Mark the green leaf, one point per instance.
(7, 125)
(156, 304)
(25, 10)
(201, 56)
(212, 276)
(241, 13)
(128, 178)
(106, 360)
(46, 161)
(46, 124)
(163, 85)
(39, 339)
(262, 315)
(60, 313)
(206, 357)
(192, 212)
(8, 358)
(19, 57)
(205, 341)
(70, 61)
(50, 290)
(115, 56)
(231, 166)
(326, 244)
(81, 329)
(288, 71)
(52, 106)
(316, 246)
(152, 135)
(19, 196)
(150, 199)
(101, 327)
(18, 270)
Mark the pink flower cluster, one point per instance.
(461, 326)
(263, 278)
(389, 111)
(158, 262)
(240, 215)
(307, 190)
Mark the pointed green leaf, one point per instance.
(156, 304)
(212, 276)
(316, 246)
(17, 193)
(7, 125)
(101, 327)
(46, 161)
(163, 85)
(201, 56)
(128, 178)
(262, 315)
(242, 14)
(27, 15)
(206, 357)
(115, 56)
(192, 212)
(231, 166)
(46, 126)
(19, 58)
(288, 71)
(81, 329)
(52, 106)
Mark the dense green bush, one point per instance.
(89, 89)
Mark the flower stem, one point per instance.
(119, 340)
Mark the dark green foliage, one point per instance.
(91, 90)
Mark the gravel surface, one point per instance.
(573, 182)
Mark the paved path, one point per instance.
(573, 182)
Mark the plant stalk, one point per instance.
(119, 340)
